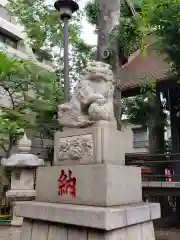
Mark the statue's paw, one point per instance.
(64, 107)
(85, 119)
(97, 113)
(101, 101)
(82, 118)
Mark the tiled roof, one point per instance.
(141, 67)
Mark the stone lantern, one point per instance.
(22, 165)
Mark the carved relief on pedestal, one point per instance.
(78, 148)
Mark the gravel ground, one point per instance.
(9, 233)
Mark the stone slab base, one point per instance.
(87, 216)
(17, 221)
(14, 233)
(21, 194)
(39, 230)
(95, 185)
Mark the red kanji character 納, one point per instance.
(67, 184)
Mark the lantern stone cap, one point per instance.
(20, 160)
(24, 144)
(23, 158)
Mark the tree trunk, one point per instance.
(157, 145)
(156, 130)
(109, 52)
(108, 18)
(156, 126)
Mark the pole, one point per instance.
(66, 61)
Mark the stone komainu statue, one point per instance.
(92, 99)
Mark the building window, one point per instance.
(6, 14)
(140, 137)
(1, 38)
(8, 40)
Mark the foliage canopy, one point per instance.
(129, 34)
(162, 18)
(28, 93)
(45, 31)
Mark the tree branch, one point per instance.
(3, 147)
(9, 93)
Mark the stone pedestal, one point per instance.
(100, 144)
(51, 221)
(90, 193)
(22, 165)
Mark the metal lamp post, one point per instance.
(66, 8)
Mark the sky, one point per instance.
(88, 30)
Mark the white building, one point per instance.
(13, 42)
(137, 137)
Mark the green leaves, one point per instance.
(92, 11)
(42, 22)
(29, 93)
(9, 126)
(45, 31)
(128, 33)
(162, 17)
(136, 109)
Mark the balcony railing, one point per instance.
(16, 53)
(159, 167)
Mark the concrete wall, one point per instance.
(129, 137)
(10, 28)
